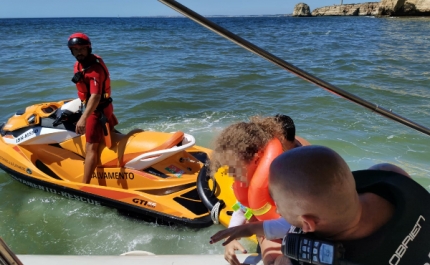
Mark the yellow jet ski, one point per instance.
(146, 174)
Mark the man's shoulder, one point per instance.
(404, 238)
(95, 55)
(97, 58)
(98, 63)
(388, 185)
(375, 173)
(371, 177)
(96, 68)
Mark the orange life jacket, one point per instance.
(256, 197)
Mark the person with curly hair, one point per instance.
(243, 140)
(241, 147)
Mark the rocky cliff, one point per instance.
(404, 8)
(302, 10)
(364, 9)
(383, 8)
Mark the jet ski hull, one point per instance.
(150, 175)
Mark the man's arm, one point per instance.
(276, 229)
(232, 233)
(282, 260)
(92, 104)
(271, 229)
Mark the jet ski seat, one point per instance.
(126, 147)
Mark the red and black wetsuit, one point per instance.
(95, 80)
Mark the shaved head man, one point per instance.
(379, 215)
(315, 190)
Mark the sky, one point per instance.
(142, 8)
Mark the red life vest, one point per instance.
(84, 88)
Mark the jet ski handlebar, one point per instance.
(70, 109)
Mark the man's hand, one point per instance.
(230, 252)
(232, 233)
(80, 125)
(93, 102)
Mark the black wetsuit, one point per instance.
(405, 239)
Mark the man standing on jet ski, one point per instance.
(93, 83)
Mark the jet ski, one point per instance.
(151, 175)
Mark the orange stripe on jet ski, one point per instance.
(108, 193)
(16, 148)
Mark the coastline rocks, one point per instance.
(363, 9)
(301, 10)
(404, 8)
(383, 8)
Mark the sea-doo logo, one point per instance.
(401, 250)
(28, 171)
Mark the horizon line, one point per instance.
(155, 16)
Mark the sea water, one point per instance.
(170, 74)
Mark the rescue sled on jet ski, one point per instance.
(145, 174)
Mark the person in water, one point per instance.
(240, 146)
(379, 215)
(92, 80)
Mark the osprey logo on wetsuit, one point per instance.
(401, 250)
